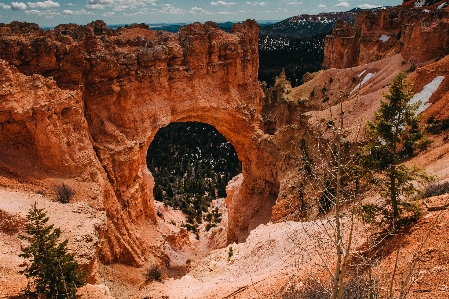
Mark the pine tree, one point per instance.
(393, 136)
(158, 195)
(53, 271)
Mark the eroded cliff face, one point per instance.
(81, 104)
(416, 33)
(114, 90)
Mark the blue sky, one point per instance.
(53, 12)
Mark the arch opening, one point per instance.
(192, 163)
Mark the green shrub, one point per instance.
(327, 198)
(209, 226)
(437, 126)
(312, 93)
(53, 271)
(64, 193)
(153, 274)
(230, 253)
(436, 189)
(412, 68)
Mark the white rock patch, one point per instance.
(365, 79)
(384, 38)
(426, 93)
(420, 3)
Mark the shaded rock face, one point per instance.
(416, 33)
(110, 92)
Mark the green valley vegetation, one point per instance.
(52, 271)
(296, 45)
(192, 163)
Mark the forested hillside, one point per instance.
(191, 163)
(296, 44)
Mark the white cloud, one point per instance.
(70, 4)
(45, 4)
(170, 9)
(343, 4)
(256, 3)
(119, 5)
(295, 3)
(198, 10)
(223, 3)
(94, 6)
(5, 6)
(321, 6)
(368, 6)
(48, 14)
(18, 6)
(77, 12)
(105, 2)
(109, 14)
(133, 14)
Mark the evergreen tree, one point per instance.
(158, 195)
(326, 200)
(53, 271)
(394, 132)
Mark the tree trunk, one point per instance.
(394, 200)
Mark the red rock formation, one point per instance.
(115, 89)
(413, 32)
(44, 136)
(129, 83)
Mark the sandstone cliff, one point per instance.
(81, 104)
(416, 33)
(117, 89)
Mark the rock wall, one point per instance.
(419, 34)
(99, 99)
(81, 104)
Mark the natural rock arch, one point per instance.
(240, 132)
(130, 83)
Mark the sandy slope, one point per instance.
(271, 255)
(77, 222)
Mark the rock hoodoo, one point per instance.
(416, 33)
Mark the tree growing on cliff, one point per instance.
(391, 137)
(53, 271)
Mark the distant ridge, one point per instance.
(174, 27)
(308, 25)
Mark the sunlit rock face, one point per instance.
(84, 103)
(416, 33)
(81, 104)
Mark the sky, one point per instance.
(54, 12)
